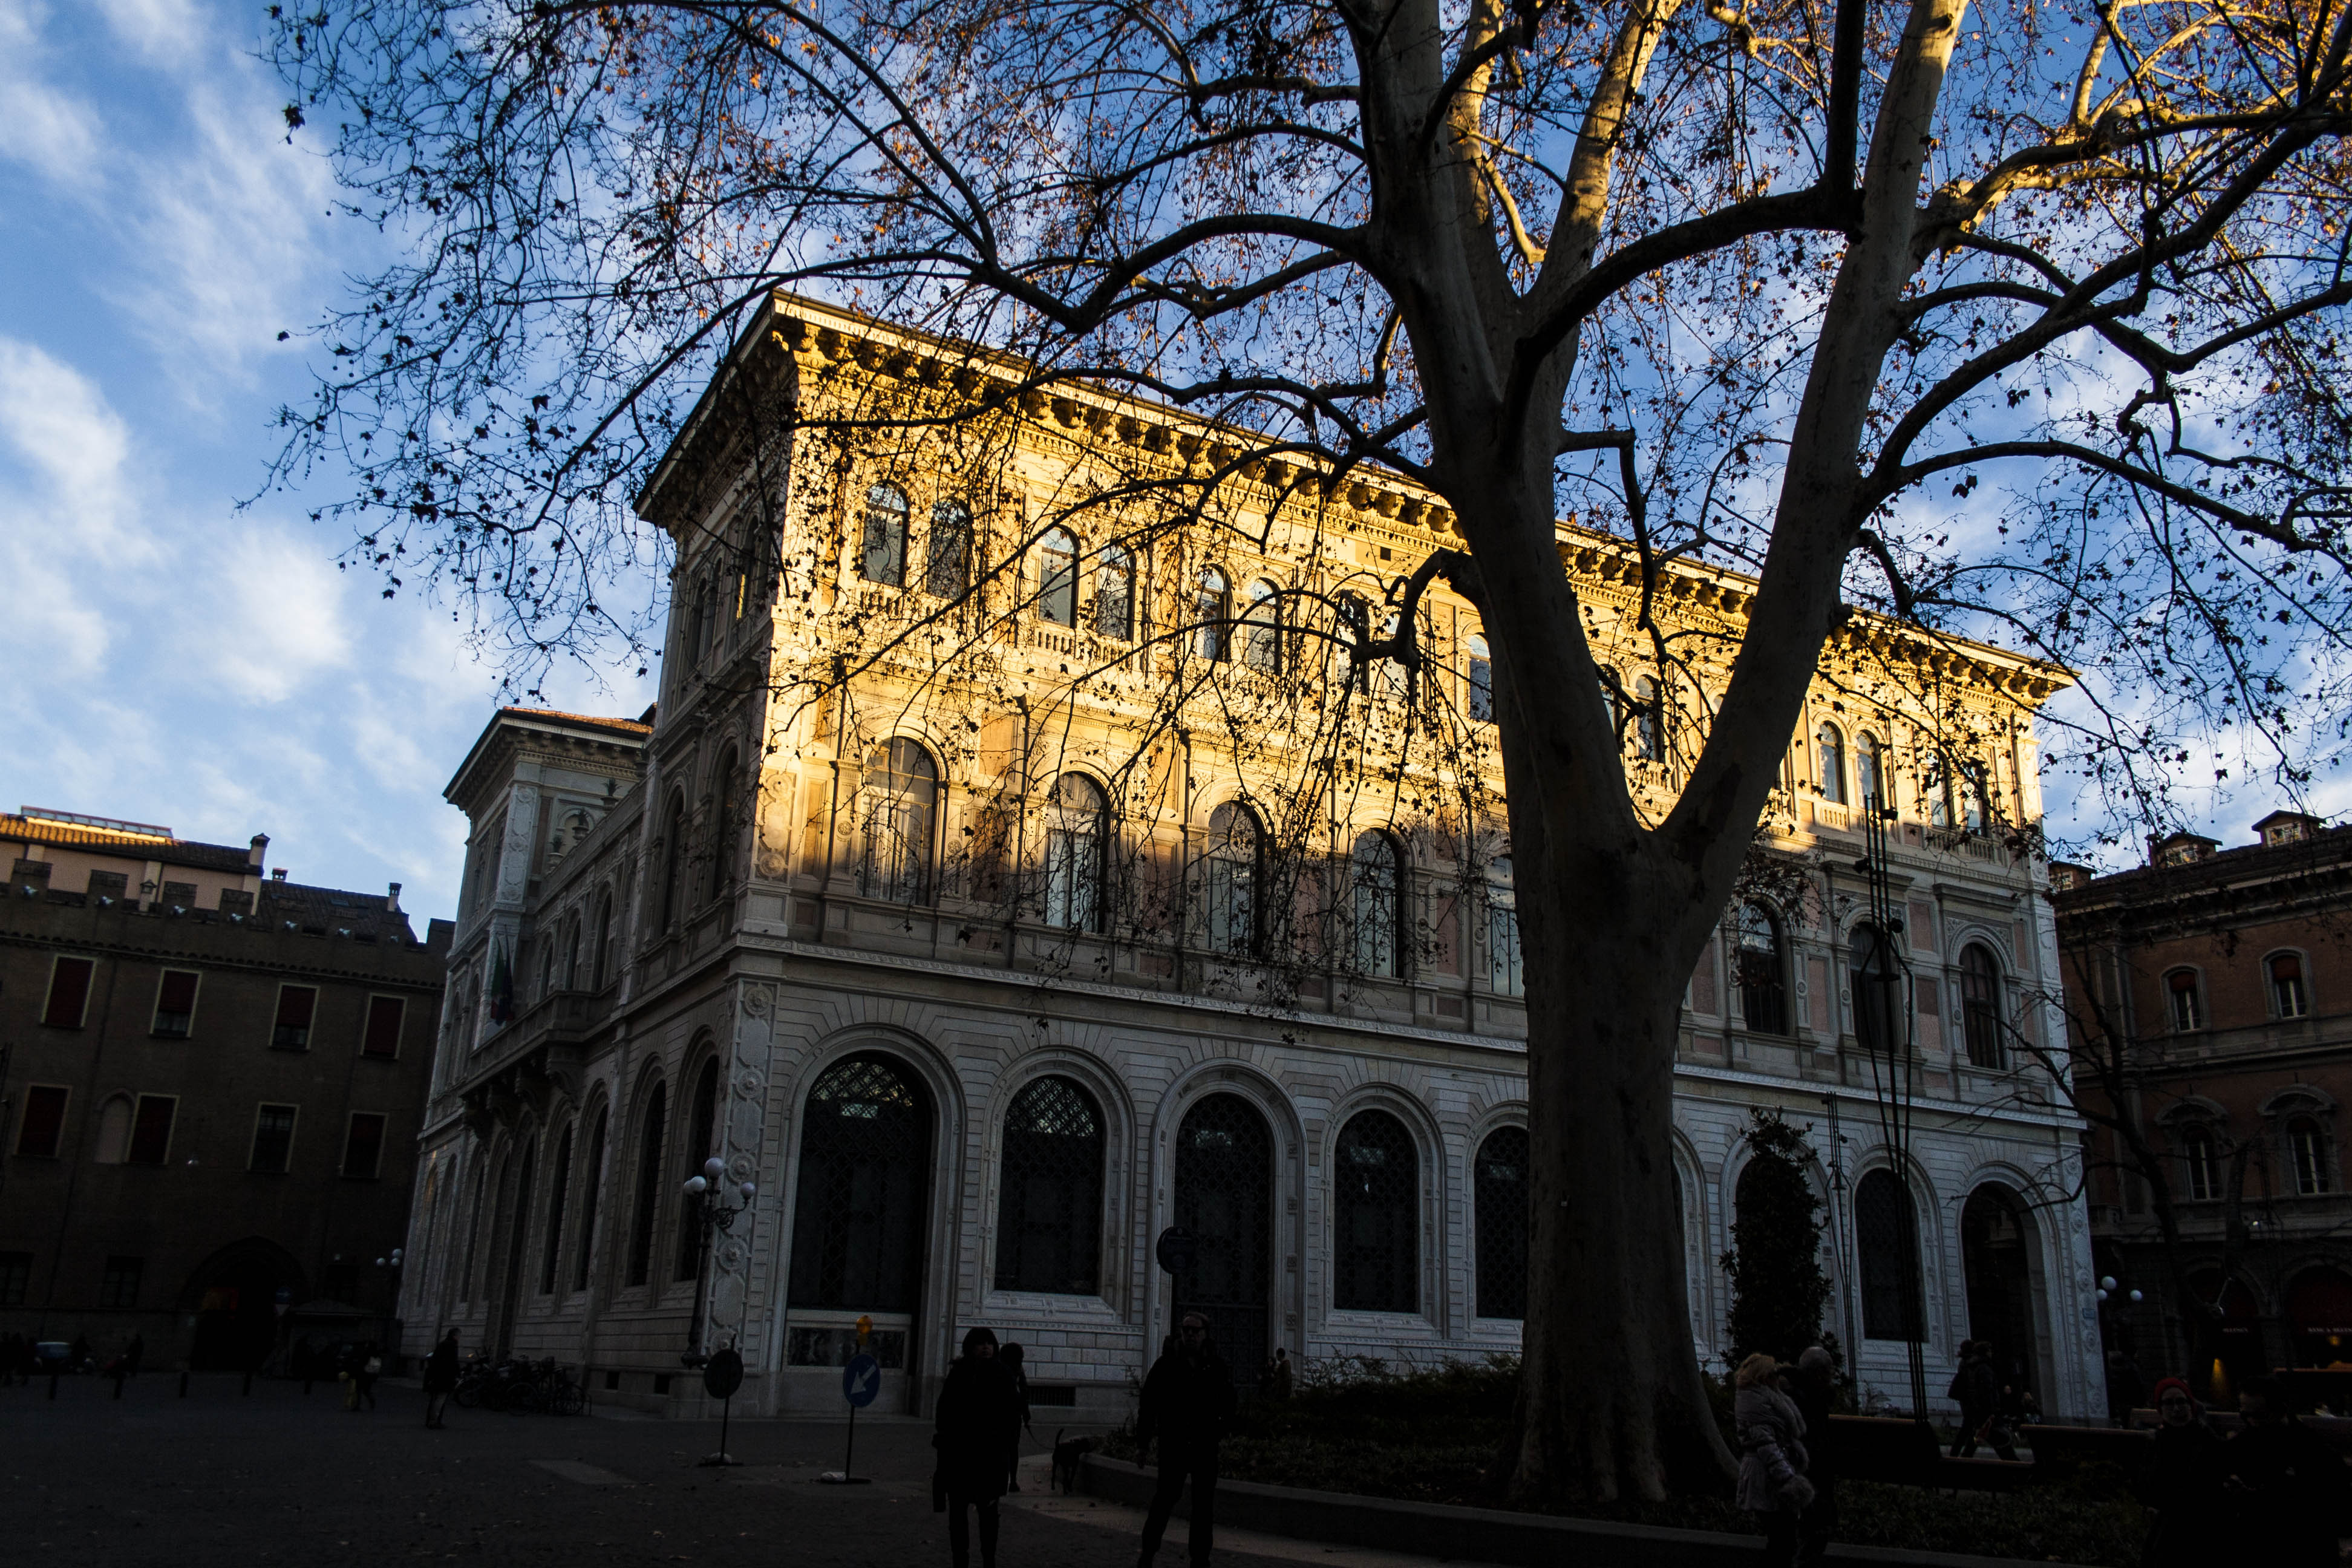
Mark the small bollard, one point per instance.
(184, 1383)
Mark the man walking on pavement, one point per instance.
(1188, 1402)
(440, 1379)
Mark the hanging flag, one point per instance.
(501, 988)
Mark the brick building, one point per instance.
(211, 1081)
(2210, 997)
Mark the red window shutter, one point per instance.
(364, 1147)
(296, 1004)
(45, 1122)
(384, 1020)
(69, 992)
(151, 1131)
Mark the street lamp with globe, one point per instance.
(717, 1215)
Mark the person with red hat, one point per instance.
(2182, 1483)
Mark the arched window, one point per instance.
(2288, 997)
(1506, 971)
(1376, 1265)
(592, 1186)
(672, 899)
(857, 1227)
(1115, 594)
(650, 1127)
(1869, 772)
(1501, 1199)
(572, 952)
(603, 938)
(948, 569)
(1875, 980)
(114, 1131)
(698, 623)
(1230, 879)
(2186, 1003)
(1649, 721)
(897, 801)
(1057, 578)
(1832, 748)
(1212, 608)
(1761, 969)
(1980, 1007)
(1375, 877)
(882, 547)
(1936, 783)
(1480, 673)
(2314, 1163)
(1077, 839)
(698, 1141)
(1353, 618)
(2201, 1165)
(559, 1190)
(1976, 802)
(1049, 1206)
(1886, 1237)
(1262, 628)
(727, 786)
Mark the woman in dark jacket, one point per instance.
(978, 1412)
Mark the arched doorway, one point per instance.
(1997, 1254)
(859, 1222)
(1225, 1197)
(234, 1294)
(2319, 1317)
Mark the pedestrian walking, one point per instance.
(1813, 1391)
(368, 1365)
(976, 1410)
(2286, 1483)
(440, 1379)
(1978, 1389)
(1772, 1458)
(1187, 1403)
(1014, 1357)
(2182, 1483)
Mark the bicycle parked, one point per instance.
(520, 1385)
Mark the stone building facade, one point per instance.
(213, 1081)
(982, 995)
(2225, 972)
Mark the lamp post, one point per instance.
(717, 1215)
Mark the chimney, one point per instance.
(392, 900)
(260, 849)
(278, 875)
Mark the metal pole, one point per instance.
(848, 1468)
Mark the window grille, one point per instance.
(1886, 1243)
(1376, 1174)
(858, 1225)
(1225, 1198)
(1049, 1203)
(1501, 1197)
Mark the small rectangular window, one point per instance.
(384, 1016)
(273, 1140)
(2286, 986)
(363, 1145)
(44, 1124)
(69, 992)
(2187, 1012)
(15, 1278)
(175, 1004)
(296, 1005)
(120, 1285)
(151, 1129)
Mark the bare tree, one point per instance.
(1637, 265)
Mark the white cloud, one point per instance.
(63, 510)
(272, 615)
(164, 32)
(43, 127)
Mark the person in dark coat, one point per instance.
(976, 1418)
(1013, 1357)
(1772, 1458)
(440, 1379)
(2182, 1483)
(1814, 1391)
(1188, 1403)
(1977, 1388)
(2286, 1482)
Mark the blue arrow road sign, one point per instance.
(861, 1380)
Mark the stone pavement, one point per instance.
(223, 1480)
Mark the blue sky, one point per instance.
(173, 659)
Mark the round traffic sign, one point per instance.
(1175, 1249)
(861, 1380)
(723, 1374)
